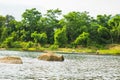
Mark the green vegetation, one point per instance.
(54, 31)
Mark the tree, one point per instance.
(4, 34)
(93, 31)
(100, 30)
(76, 23)
(50, 22)
(114, 22)
(8, 42)
(19, 28)
(104, 35)
(39, 38)
(10, 23)
(103, 29)
(60, 37)
(103, 20)
(2, 23)
(82, 39)
(30, 20)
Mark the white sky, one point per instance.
(17, 7)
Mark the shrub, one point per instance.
(16, 44)
(8, 42)
(39, 38)
(60, 37)
(53, 47)
(82, 39)
(29, 44)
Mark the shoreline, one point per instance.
(70, 51)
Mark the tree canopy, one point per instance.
(78, 28)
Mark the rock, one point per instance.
(50, 57)
(11, 60)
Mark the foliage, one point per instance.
(8, 42)
(55, 30)
(30, 19)
(82, 39)
(29, 44)
(16, 44)
(111, 52)
(60, 37)
(54, 47)
(114, 22)
(76, 23)
(104, 35)
(39, 38)
(50, 22)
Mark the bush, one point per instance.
(8, 42)
(53, 47)
(60, 37)
(16, 44)
(39, 38)
(29, 44)
(82, 39)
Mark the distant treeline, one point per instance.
(50, 29)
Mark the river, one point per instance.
(75, 67)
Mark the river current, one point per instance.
(75, 67)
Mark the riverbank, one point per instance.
(90, 51)
(112, 49)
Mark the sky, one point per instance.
(94, 7)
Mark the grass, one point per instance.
(40, 49)
(111, 49)
(77, 50)
(110, 52)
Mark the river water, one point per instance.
(75, 67)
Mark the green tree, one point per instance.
(82, 39)
(4, 33)
(39, 38)
(76, 23)
(103, 20)
(10, 23)
(8, 27)
(50, 22)
(104, 35)
(60, 37)
(18, 30)
(114, 22)
(8, 42)
(30, 20)
(93, 31)
(2, 23)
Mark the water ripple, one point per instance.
(75, 67)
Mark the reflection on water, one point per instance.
(75, 67)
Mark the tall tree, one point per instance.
(83, 39)
(103, 20)
(50, 22)
(30, 20)
(76, 23)
(39, 38)
(60, 37)
(104, 35)
(2, 23)
(114, 22)
(2, 20)
(104, 28)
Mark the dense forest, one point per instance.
(53, 29)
